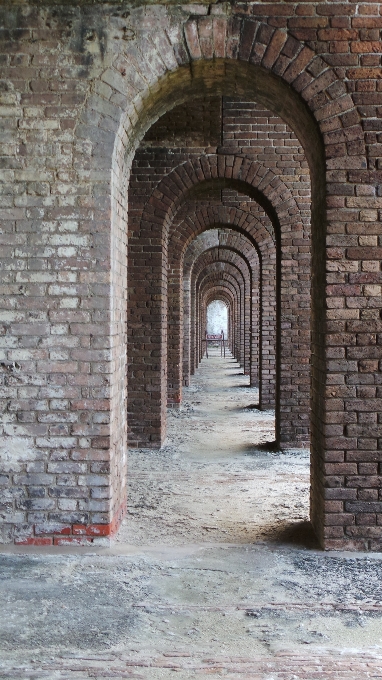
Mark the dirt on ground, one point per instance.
(215, 570)
(218, 477)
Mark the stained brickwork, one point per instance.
(80, 87)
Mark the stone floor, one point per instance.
(215, 571)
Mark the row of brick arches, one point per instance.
(224, 239)
(220, 159)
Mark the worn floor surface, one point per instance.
(215, 571)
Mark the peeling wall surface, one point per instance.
(129, 132)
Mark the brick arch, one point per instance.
(232, 170)
(213, 217)
(226, 279)
(275, 197)
(223, 273)
(156, 223)
(213, 282)
(191, 216)
(208, 264)
(236, 262)
(230, 253)
(341, 105)
(223, 235)
(150, 263)
(216, 51)
(260, 242)
(259, 239)
(249, 46)
(217, 292)
(240, 243)
(175, 307)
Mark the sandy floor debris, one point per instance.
(215, 570)
(211, 481)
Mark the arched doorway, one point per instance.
(219, 69)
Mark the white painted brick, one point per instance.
(44, 124)
(69, 240)
(10, 111)
(69, 303)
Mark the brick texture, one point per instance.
(276, 121)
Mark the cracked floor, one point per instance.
(214, 571)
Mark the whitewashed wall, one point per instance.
(217, 317)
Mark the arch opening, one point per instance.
(225, 185)
(236, 198)
(165, 205)
(217, 317)
(227, 137)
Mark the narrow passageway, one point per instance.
(218, 477)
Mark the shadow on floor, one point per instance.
(268, 446)
(256, 449)
(240, 409)
(298, 534)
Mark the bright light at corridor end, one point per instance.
(217, 317)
